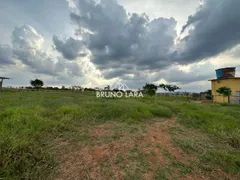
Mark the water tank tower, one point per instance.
(224, 73)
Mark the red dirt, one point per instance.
(100, 161)
(85, 162)
(102, 130)
(192, 177)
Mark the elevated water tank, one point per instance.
(228, 72)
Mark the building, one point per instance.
(226, 77)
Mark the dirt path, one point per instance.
(118, 151)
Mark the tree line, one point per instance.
(38, 84)
(149, 89)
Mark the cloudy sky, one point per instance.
(94, 43)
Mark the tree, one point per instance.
(150, 89)
(63, 88)
(225, 91)
(169, 88)
(163, 86)
(208, 95)
(77, 88)
(172, 88)
(37, 83)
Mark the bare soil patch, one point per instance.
(138, 154)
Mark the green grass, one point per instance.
(31, 121)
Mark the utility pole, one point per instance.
(1, 82)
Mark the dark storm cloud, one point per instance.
(116, 38)
(216, 29)
(126, 45)
(70, 48)
(6, 55)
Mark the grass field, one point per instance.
(74, 135)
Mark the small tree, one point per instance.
(172, 88)
(63, 88)
(169, 88)
(150, 89)
(225, 91)
(208, 95)
(37, 83)
(163, 86)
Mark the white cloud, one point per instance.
(150, 41)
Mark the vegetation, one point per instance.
(225, 91)
(150, 89)
(209, 94)
(42, 132)
(37, 83)
(169, 88)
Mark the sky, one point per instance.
(95, 43)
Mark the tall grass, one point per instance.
(29, 121)
(221, 122)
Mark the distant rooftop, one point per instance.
(224, 78)
(226, 68)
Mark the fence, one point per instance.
(203, 97)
